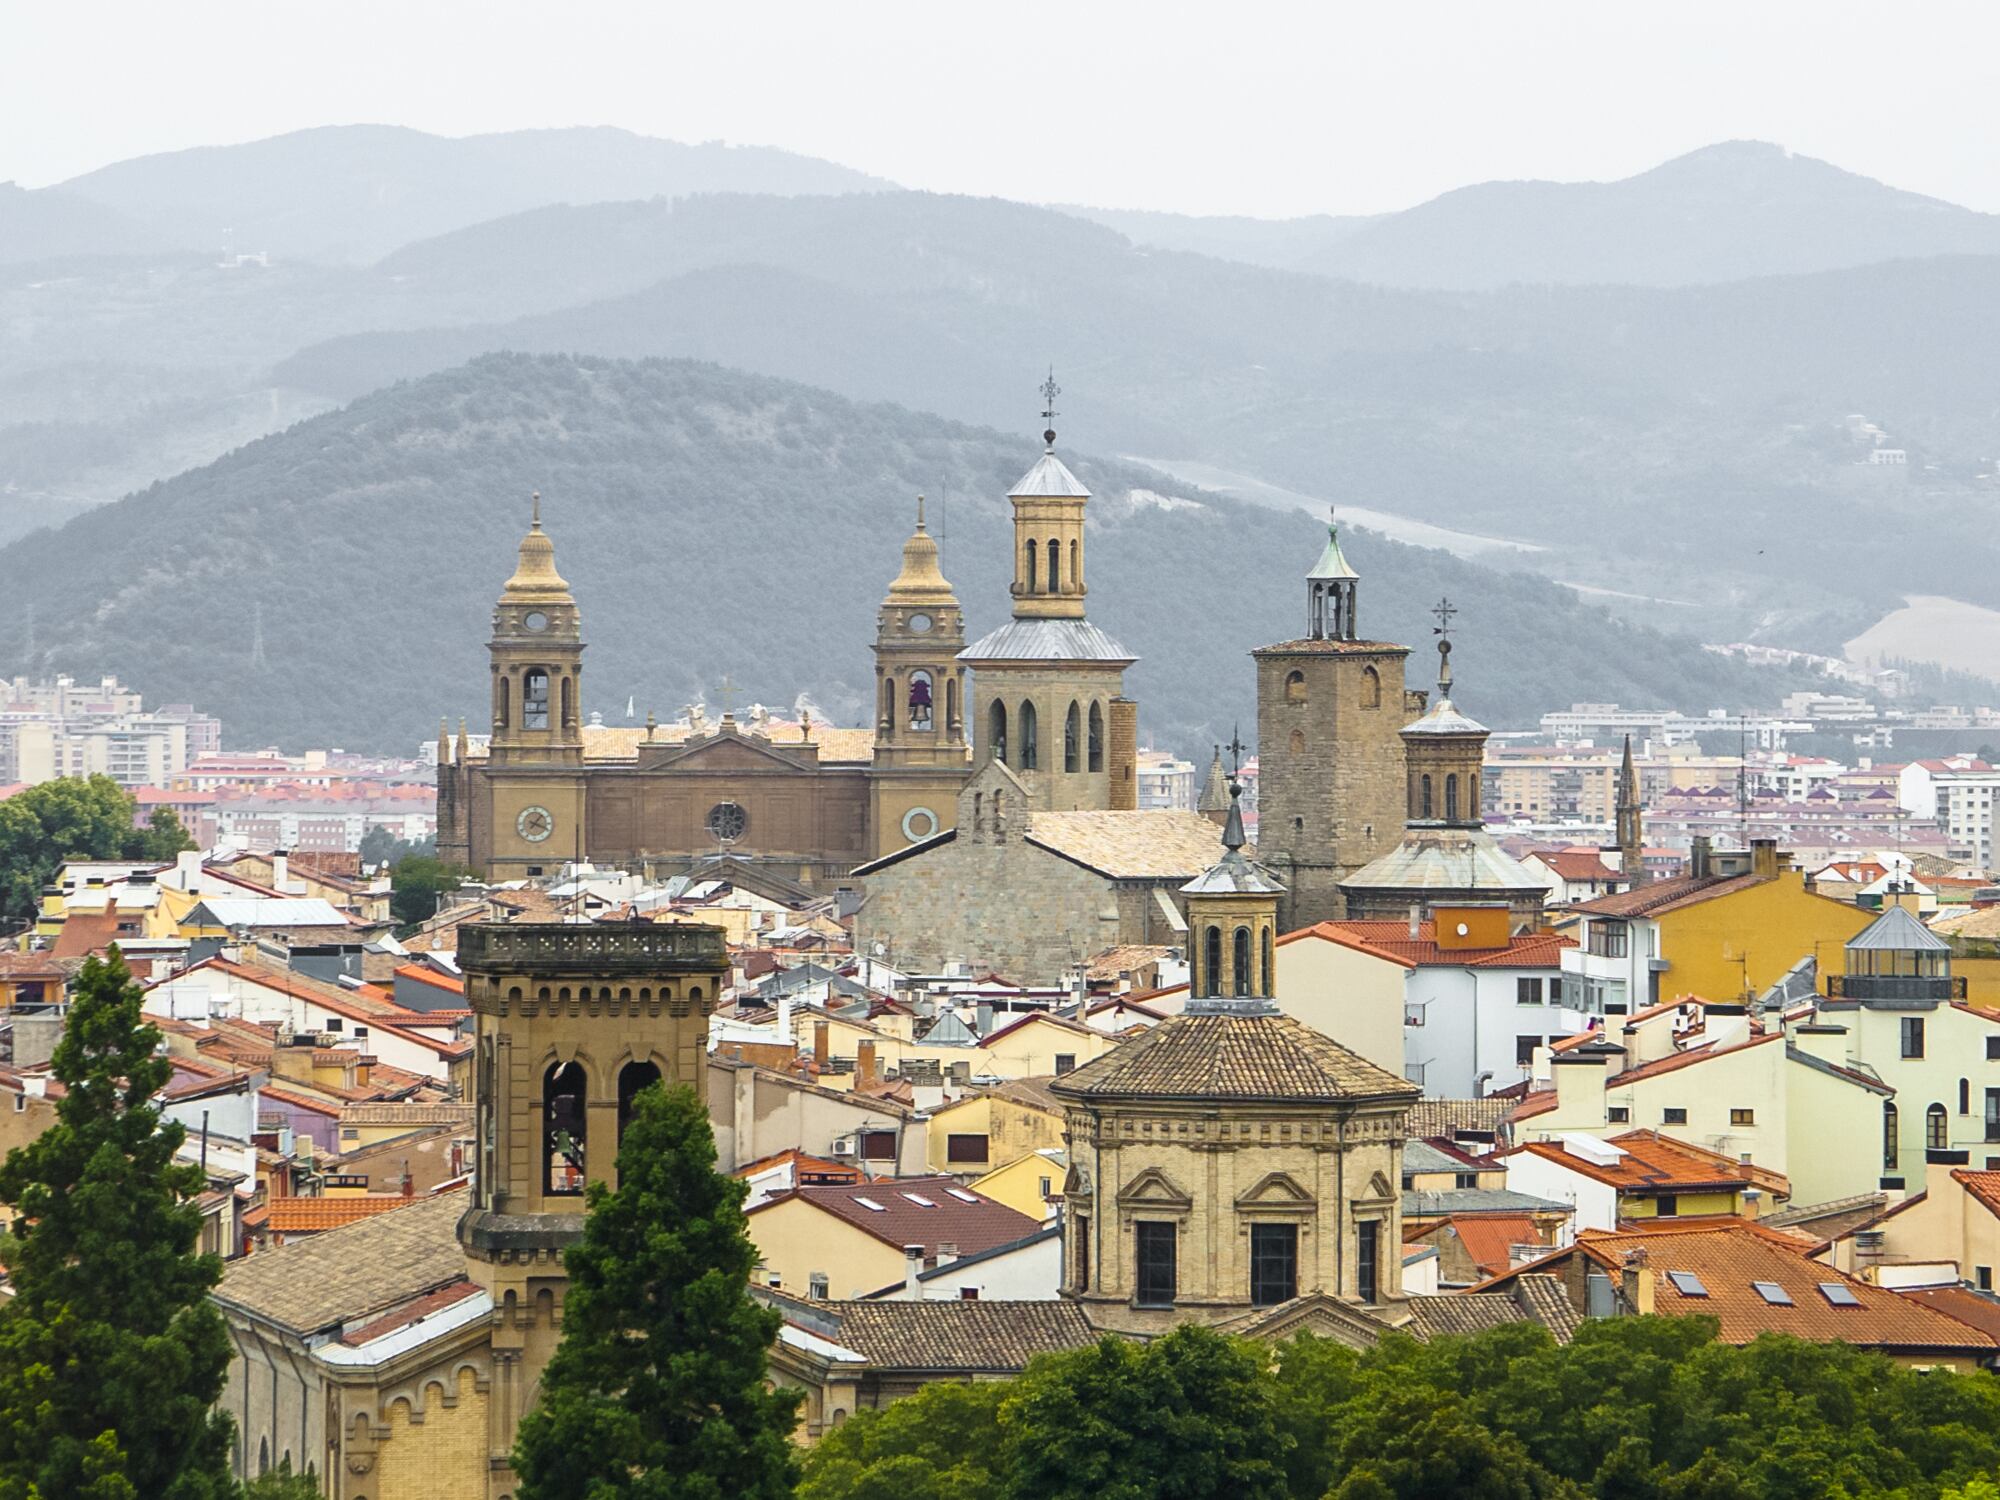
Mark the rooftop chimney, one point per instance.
(913, 1270)
(1700, 857)
(1764, 858)
(821, 1046)
(1636, 1282)
(864, 1064)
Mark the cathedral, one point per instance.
(804, 802)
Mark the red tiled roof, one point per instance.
(409, 1312)
(1982, 1187)
(1656, 1163)
(1578, 864)
(1534, 950)
(392, 1020)
(1331, 932)
(329, 1107)
(1666, 895)
(1685, 1059)
(422, 975)
(945, 1215)
(312, 1215)
(1488, 1238)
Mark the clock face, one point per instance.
(535, 824)
(535, 620)
(920, 623)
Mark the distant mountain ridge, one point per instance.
(353, 193)
(715, 522)
(1726, 212)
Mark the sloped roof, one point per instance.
(312, 1215)
(959, 1337)
(1899, 932)
(1049, 479)
(270, 911)
(1446, 1117)
(1982, 1187)
(353, 1272)
(942, 1216)
(1652, 1162)
(1665, 895)
(1488, 1239)
(1444, 859)
(1443, 717)
(1534, 1298)
(1154, 844)
(1530, 950)
(1047, 640)
(1246, 1057)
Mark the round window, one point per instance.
(919, 823)
(920, 623)
(534, 619)
(727, 822)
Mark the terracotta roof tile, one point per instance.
(976, 1337)
(1430, 1118)
(1665, 895)
(313, 1215)
(1532, 1298)
(943, 1216)
(1533, 950)
(1982, 1187)
(1149, 845)
(1488, 1239)
(353, 1272)
(1270, 1057)
(1656, 1163)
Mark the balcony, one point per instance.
(564, 948)
(1927, 989)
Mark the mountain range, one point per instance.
(334, 583)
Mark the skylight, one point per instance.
(1838, 1294)
(870, 1203)
(1772, 1293)
(920, 1200)
(961, 1195)
(1687, 1283)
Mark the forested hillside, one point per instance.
(714, 522)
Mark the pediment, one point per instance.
(1152, 1188)
(728, 752)
(1379, 1186)
(1276, 1190)
(1076, 1181)
(1315, 1313)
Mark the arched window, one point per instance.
(1033, 584)
(1297, 743)
(1072, 727)
(503, 690)
(979, 812)
(633, 1077)
(1936, 1134)
(1075, 565)
(535, 699)
(1055, 566)
(1096, 761)
(564, 1129)
(1270, 965)
(1965, 1096)
(1031, 752)
(1295, 687)
(1211, 961)
(568, 700)
(1371, 688)
(1424, 800)
(888, 701)
(1242, 957)
(920, 699)
(1890, 1147)
(951, 701)
(996, 730)
(1451, 798)
(1474, 808)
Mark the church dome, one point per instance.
(535, 577)
(922, 581)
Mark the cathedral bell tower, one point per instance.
(1050, 684)
(920, 754)
(1330, 784)
(535, 761)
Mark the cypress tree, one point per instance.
(657, 1388)
(111, 1355)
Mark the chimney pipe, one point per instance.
(1764, 858)
(1416, 920)
(821, 1046)
(1636, 1282)
(1699, 856)
(913, 1270)
(864, 1064)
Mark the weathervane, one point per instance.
(1444, 609)
(1049, 391)
(1235, 748)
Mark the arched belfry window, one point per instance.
(1211, 961)
(1075, 565)
(1032, 550)
(1371, 688)
(503, 692)
(1424, 801)
(1055, 566)
(889, 701)
(1270, 965)
(1096, 737)
(565, 1127)
(1295, 687)
(1451, 798)
(1030, 732)
(951, 702)
(996, 730)
(1242, 957)
(1072, 724)
(535, 699)
(568, 700)
(632, 1078)
(920, 699)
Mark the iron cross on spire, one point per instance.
(728, 695)
(1444, 609)
(1235, 747)
(1049, 391)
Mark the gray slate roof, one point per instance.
(1897, 931)
(1047, 640)
(1049, 479)
(1444, 859)
(1443, 717)
(1478, 1201)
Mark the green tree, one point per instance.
(416, 885)
(943, 1443)
(1189, 1417)
(383, 849)
(84, 817)
(111, 1355)
(657, 1388)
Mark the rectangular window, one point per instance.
(1274, 1264)
(966, 1148)
(1065, 1062)
(1366, 1260)
(1155, 1245)
(1913, 1036)
(1743, 1117)
(1993, 1049)
(1993, 1114)
(1555, 991)
(1985, 1277)
(1667, 1206)
(1465, 1180)
(1619, 1114)
(1673, 1117)
(968, 1294)
(1527, 991)
(879, 1145)
(1524, 1050)
(1608, 939)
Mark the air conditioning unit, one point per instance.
(845, 1146)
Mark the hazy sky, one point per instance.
(1210, 108)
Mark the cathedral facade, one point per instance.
(806, 802)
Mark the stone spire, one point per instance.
(1213, 803)
(444, 743)
(464, 744)
(1631, 846)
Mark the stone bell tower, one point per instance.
(571, 1022)
(920, 747)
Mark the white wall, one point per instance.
(1595, 1203)
(1029, 1274)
